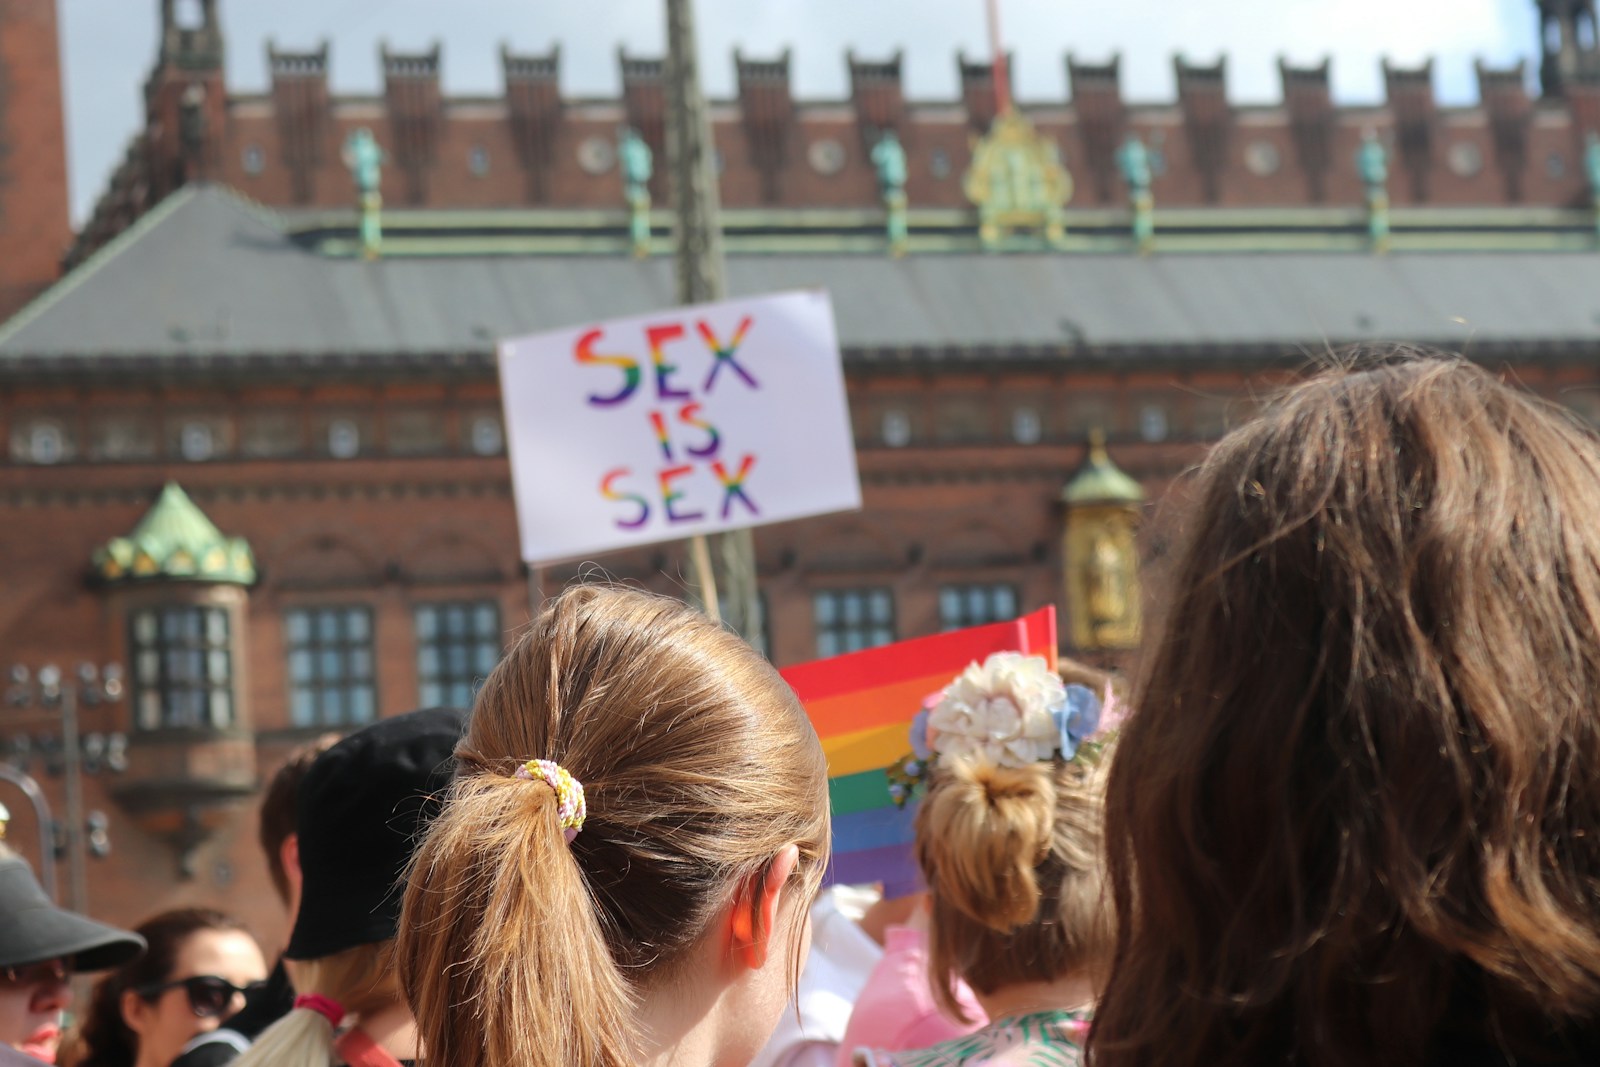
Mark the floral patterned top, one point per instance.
(1041, 1039)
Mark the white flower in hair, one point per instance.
(1003, 708)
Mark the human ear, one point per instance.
(134, 1008)
(757, 906)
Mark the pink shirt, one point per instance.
(896, 1009)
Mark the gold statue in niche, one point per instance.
(1101, 554)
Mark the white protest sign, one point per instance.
(686, 421)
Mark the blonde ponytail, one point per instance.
(1014, 862)
(698, 766)
(361, 979)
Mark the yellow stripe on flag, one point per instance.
(866, 750)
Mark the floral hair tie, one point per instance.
(1012, 709)
(570, 805)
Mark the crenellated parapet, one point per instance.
(535, 145)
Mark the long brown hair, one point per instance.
(107, 1039)
(1354, 815)
(1015, 866)
(698, 765)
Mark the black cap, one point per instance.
(360, 811)
(32, 928)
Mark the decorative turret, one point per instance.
(177, 588)
(176, 542)
(1100, 554)
(186, 100)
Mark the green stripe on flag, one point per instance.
(859, 792)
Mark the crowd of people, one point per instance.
(1343, 814)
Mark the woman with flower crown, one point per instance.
(1009, 841)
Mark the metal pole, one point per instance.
(701, 277)
(41, 812)
(997, 50)
(77, 874)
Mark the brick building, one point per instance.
(227, 328)
(34, 229)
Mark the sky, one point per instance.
(109, 46)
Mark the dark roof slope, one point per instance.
(210, 275)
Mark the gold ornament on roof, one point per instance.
(1017, 182)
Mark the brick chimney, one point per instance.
(1102, 120)
(644, 99)
(977, 89)
(416, 110)
(768, 112)
(878, 96)
(1411, 102)
(1504, 92)
(534, 109)
(1309, 101)
(300, 103)
(1208, 120)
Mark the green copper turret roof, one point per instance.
(175, 541)
(1100, 481)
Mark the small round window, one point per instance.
(487, 437)
(46, 443)
(1153, 422)
(1026, 427)
(896, 429)
(344, 439)
(195, 442)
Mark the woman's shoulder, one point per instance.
(1042, 1039)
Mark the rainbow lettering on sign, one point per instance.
(690, 445)
(630, 370)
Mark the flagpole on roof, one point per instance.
(997, 50)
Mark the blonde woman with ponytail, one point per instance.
(1009, 841)
(622, 872)
(360, 810)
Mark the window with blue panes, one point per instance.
(458, 644)
(975, 604)
(331, 676)
(848, 620)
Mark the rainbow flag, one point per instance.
(862, 704)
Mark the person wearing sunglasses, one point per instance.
(199, 967)
(41, 947)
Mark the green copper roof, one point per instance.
(176, 542)
(1100, 481)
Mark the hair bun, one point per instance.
(987, 829)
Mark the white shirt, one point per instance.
(841, 958)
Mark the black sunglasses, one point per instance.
(209, 995)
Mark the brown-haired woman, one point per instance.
(623, 867)
(1354, 816)
(195, 973)
(1009, 839)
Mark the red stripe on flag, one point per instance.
(941, 654)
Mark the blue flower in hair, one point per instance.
(1076, 718)
(919, 735)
